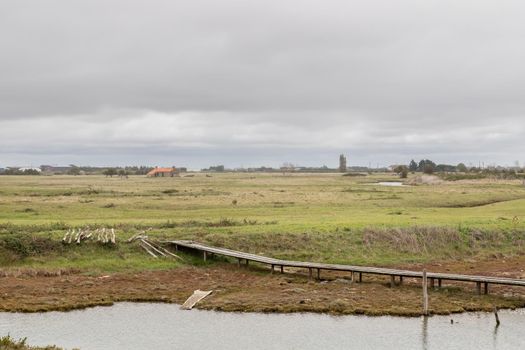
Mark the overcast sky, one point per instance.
(202, 82)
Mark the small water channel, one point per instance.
(165, 326)
(390, 183)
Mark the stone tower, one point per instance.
(342, 163)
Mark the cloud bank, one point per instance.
(261, 83)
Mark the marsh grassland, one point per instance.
(8, 343)
(470, 226)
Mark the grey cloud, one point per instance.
(381, 80)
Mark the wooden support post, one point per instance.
(425, 293)
(352, 275)
(318, 274)
(204, 255)
(439, 282)
(360, 277)
(239, 261)
(282, 269)
(400, 280)
(486, 288)
(273, 266)
(247, 262)
(432, 285)
(497, 317)
(392, 280)
(310, 273)
(176, 248)
(478, 288)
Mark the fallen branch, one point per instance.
(164, 250)
(171, 254)
(137, 236)
(147, 250)
(153, 247)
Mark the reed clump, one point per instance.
(9, 343)
(427, 239)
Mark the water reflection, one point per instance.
(163, 326)
(391, 184)
(495, 336)
(424, 333)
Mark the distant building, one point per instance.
(163, 172)
(342, 163)
(216, 168)
(26, 169)
(55, 170)
(393, 167)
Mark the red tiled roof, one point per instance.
(161, 170)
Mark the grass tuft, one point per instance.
(8, 343)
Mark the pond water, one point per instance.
(390, 183)
(165, 326)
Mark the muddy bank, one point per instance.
(255, 290)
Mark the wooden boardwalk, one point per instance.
(356, 271)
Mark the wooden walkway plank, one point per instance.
(197, 296)
(349, 268)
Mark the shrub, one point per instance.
(428, 169)
(8, 343)
(23, 246)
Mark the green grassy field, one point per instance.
(322, 217)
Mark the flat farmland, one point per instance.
(475, 227)
(326, 217)
(291, 202)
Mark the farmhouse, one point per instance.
(163, 172)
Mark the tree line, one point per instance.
(429, 167)
(81, 170)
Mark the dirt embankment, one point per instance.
(239, 289)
